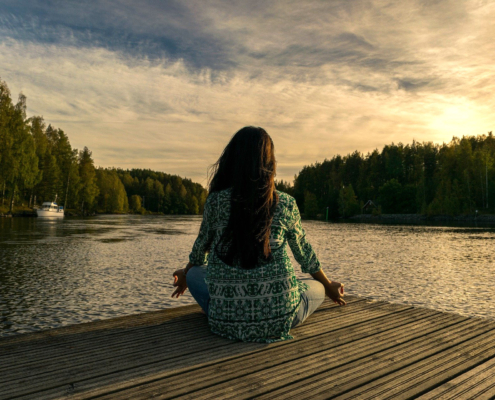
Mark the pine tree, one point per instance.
(310, 205)
(348, 203)
(135, 203)
(89, 188)
(19, 161)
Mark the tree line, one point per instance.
(37, 163)
(453, 178)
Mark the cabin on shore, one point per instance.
(368, 207)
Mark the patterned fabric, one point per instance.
(256, 305)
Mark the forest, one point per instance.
(451, 179)
(37, 163)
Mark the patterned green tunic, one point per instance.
(256, 305)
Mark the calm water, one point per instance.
(55, 273)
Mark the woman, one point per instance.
(239, 271)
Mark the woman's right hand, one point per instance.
(180, 283)
(335, 290)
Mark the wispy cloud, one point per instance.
(163, 85)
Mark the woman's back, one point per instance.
(256, 304)
(239, 271)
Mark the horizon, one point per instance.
(164, 86)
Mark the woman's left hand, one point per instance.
(335, 290)
(180, 283)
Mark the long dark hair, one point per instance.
(247, 165)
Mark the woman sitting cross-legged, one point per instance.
(239, 271)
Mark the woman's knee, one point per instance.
(315, 292)
(195, 275)
(197, 286)
(311, 299)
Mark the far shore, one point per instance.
(30, 213)
(489, 218)
(365, 218)
(412, 218)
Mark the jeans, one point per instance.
(311, 299)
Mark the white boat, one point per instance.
(49, 209)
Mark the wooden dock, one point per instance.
(365, 350)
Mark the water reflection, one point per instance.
(444, 268)
(54, 273)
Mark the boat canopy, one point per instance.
(50, 205)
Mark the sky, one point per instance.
(165, 84)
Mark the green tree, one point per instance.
(148, 194)
(391, 197)
(73, 187)
(310, 205)
(6, 137)
(284, 186)
(192, 204)
(128, 182)
(158, 195)
(38, 128)
(112, 196)
(18, 160)
(64, 155)
(167, 199)
(135, 203)
(89, 188)
(348, 202)
(51, 183)
(38, 162)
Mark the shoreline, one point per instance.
(490, 218)
(407, 218)
(484, 219)
(72, 213)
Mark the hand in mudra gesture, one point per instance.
(180, 283)
(335, 290)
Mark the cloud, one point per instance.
(151, 29)
(411, 84)
(164, 85)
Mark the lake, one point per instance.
(56, 273)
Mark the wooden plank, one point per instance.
(153, 356)
(352, 375)
(364, 350)
(117, 380)
(113, 361)
(127, 346)
(346, 378)
(477, 383)
(127, 360)
(125, 322)
(41, 380)
(238, 367)
(428, 373)
(98, 348)
(40, 342)
(83, 346)
(348, 363)
(53, 338)
(22, 364)
(285, 373)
